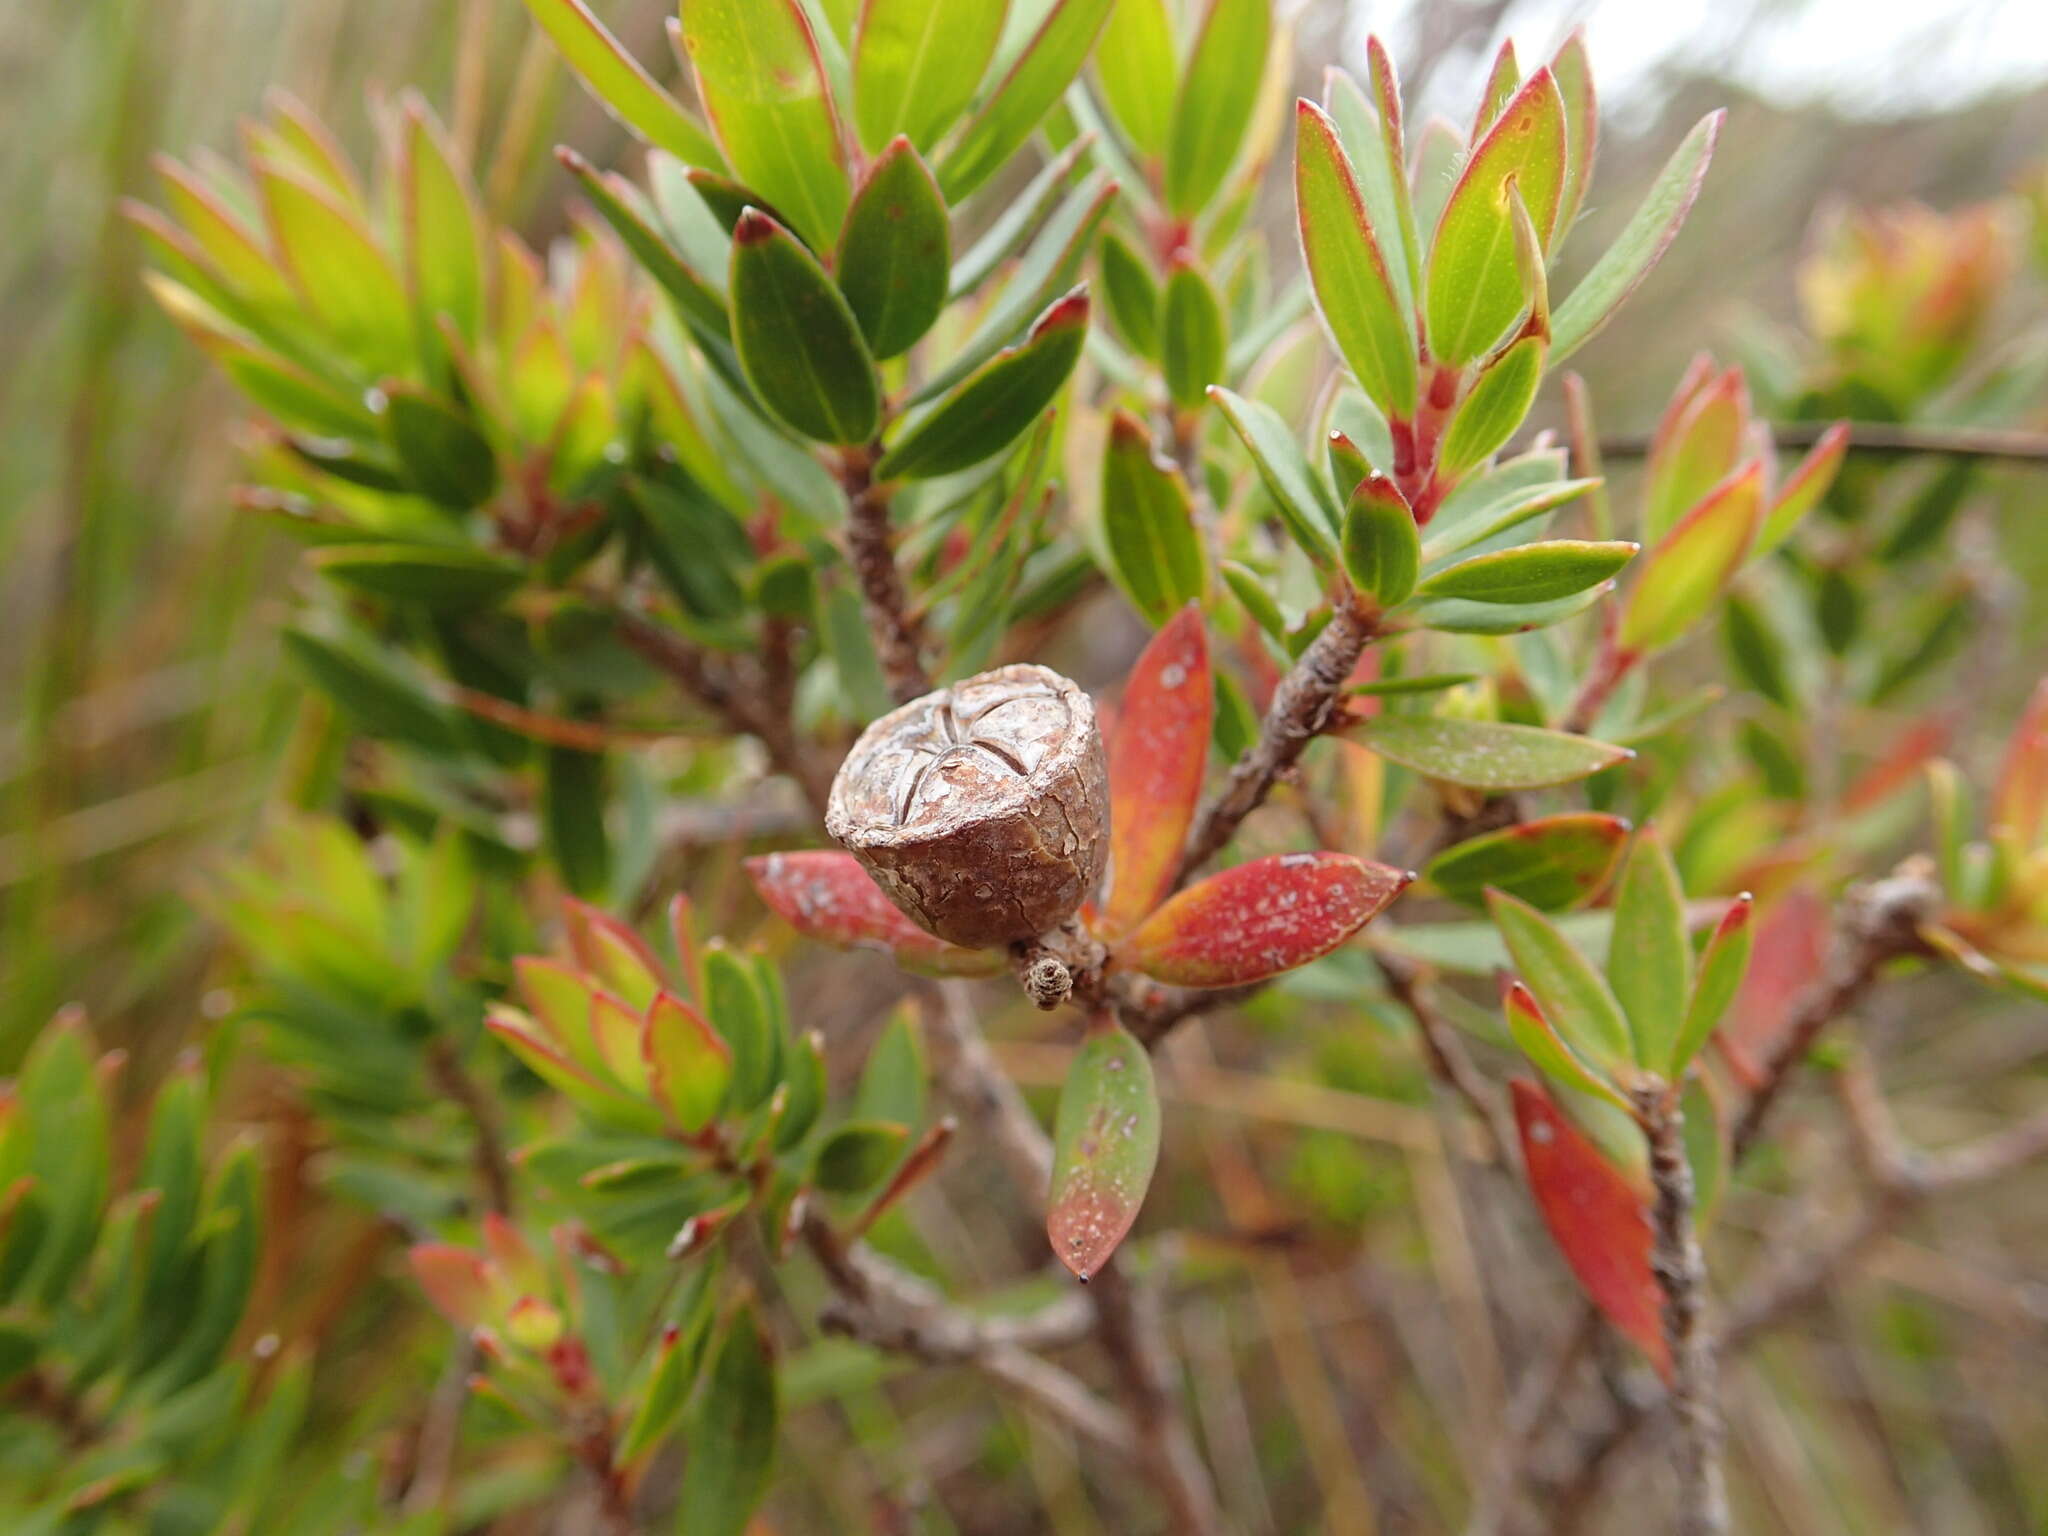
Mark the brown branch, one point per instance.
(1303, 706)
(1682, 1276)
(1128, 1334)
(871, 547)
(1884, 437)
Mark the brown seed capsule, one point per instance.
(983, 808)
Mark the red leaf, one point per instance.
(1262, 918)
(1157, 752)
(827, 896)
(1595, 1217)
(1785, 957)
(455, 1280)
(2020, 805)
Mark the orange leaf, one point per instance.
(827, 896)
(455, 1280)
(2020, 805)
(1786, 956)
(1595, 1217)
(1157, 752)
(1261, 918)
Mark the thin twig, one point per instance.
(2011, 447)
(1447, 1058)
(871, 547)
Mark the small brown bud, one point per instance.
(981, 809)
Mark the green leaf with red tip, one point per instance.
(1219, 88)
(441, 225)
(857, 1156)
(1501, 83)
(797, 337)
(1369, 122)
(1192, 346)
(1701, 440)
(1348, 268)
(1553, 863)
(1485, 754)
(1685, 574)
(1493, 410)
(583, 1088)
(1014, 109)
(764, 87)
(1596, 1218)
(1474, 288)
(1135, 64)
(230, 246)
(1531, 573)
(731, 1433)
(1574, 75)
(1382, 545)
(1148, 524)
(1649, 960)
(456, 1282)
(1801, 493)
(1157, 752)
(617, 1030)
(1722, 969)
(1348, 464)
(1534, 1035)
(1105, 1146)
(827, 896)
(617, 80)
(1261, 918)
(1786, 957)
(1574, 997)
(896, 251)
(1298, 492)
(613, 952)
(689, 1068)
(622, 207)
(1642, 242)
(2019, 801)
(916, 64)
(996, 405)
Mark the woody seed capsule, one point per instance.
(982, 809)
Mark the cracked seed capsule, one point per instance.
(982, 809)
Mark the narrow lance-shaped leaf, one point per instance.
(1129, 292)
(1698, 445)
(997, 405)
(1693, 564)
(338, 268)
(1595, 1217)
(732, 1437)
(2019, 802)
(1157, 753)
(456, 577)
(1304, 501)
(1348, 268)
(1191, 340)
(1218, 90)
(1371, 130)
(1148, 524)
(442, 225)
(1493, 410)
(763, 83)
(1574, 75)
(827, 896)
(1641, 244)
(1574, 996)
(1001, 124)
(858, 1155)
(1486, 754)
(698, 302)
(1261, 918)
(618, 81)
(1134, 61)
(1382, 546)
(797, 338)
(916, 64)
(1501, 83)
(689, 1068)
(1105, 1146)
(1802, 492)
(1532, 573)
(1538, 1040)
(895, 253)
(1649, 962)
(1722, 969)
(1552, 863)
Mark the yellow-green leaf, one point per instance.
(1020, 101)
(1692, 565)
(1218, 90)
(916, 64)
(1348, 268)
(617, 80)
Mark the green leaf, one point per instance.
(1020, 101)
(1573, 996)
(763, 85)
(858, 1156)
(1756, 651)
(1105, 1146)
(701, 550)
(1300, 494)
(996, 406)
(1148, 524)
(689, 1067)
(1722, 968)
(1372, 137)
(1552, 863)
(1803, 491)
(1349, 464)
(1474, 285)
(1484, 754)
(1130, 293)
(1699, 443)
(892, 1084)
(1574, 75)
(227, 1269)
(1493, 410)
(797, 338)
(1135, 65)
(804, 1075)
(1641, 244)
(916, 64)
(616, 79)
(459, 577)
(373, 692)
(621, 206)
(572, 805)
(337, 266)
(1218, 91)
(1537, 1038)
(1531, 573)
(1006, 234)
(1192, 347)
(442, 224)
(732, 1434)
(1348, 269)
(1382, 547)
(896, 252)
(443, 455)
(1693, 564)
(1649, 964)
(733, 1003)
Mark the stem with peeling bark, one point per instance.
(871, 547)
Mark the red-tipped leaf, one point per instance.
(1105, 1146)
(828, 897)
(1157, 752)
